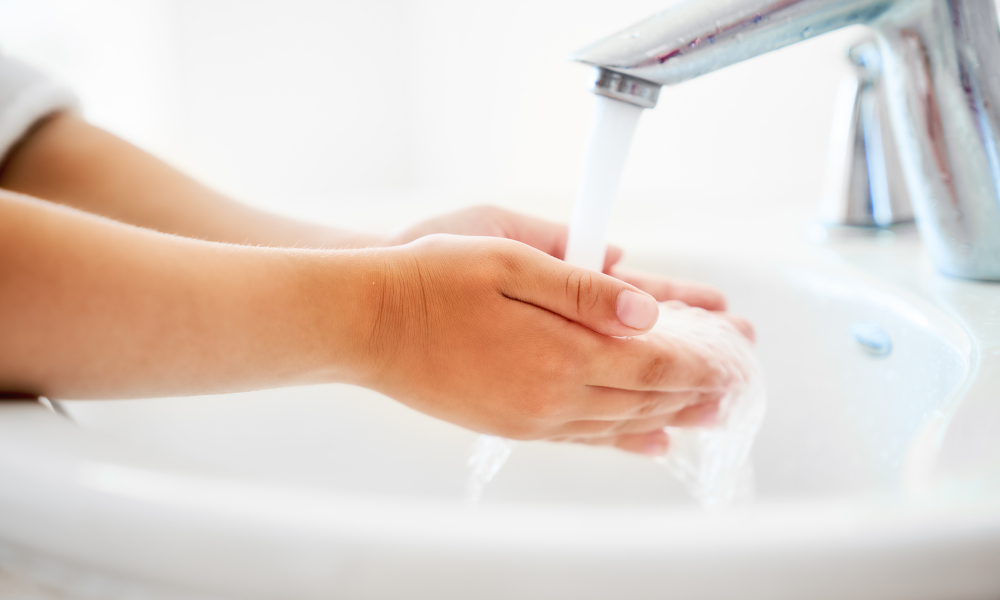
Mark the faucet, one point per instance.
(864, 183)
(941, 69)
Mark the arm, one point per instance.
(64, 159)
(67, 160)
(487, 333)
(93, 308)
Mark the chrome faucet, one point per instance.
(865, 185)
(941, 65)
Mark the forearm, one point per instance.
(90, 308)
(68, 161)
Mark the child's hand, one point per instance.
(550, 238)
(499, 337)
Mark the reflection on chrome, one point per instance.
(939, 58)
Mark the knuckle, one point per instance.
(582, 289)
(650, 405)
(507, 260)
(656, 371)
(488, 210)
(588, 429)
(431, 241)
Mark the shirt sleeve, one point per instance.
(26, 95)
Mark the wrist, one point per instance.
(357, 313)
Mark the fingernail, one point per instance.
(637, 311)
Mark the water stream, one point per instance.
(711, 462)
(611, 130)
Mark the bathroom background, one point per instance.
(371, 114)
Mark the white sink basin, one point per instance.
(877, 475)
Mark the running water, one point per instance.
(711, 462)
(489, 454)
(611, 130)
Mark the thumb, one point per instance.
(600, 302)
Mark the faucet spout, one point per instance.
(700, 36)
(941, 59)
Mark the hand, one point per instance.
(491, 221)
(499, 337)
(550, 238)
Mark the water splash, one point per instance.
(489, 453)
(612, 127)
(713, 462)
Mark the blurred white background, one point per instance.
(369, 113)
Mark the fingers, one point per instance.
(647, 436)
(741, 324)
(738, 322)
(491, 221)
(699, 415)
(704, 414)
(608, 404)
(544, 235)
(656, 363)
(590, 296)
(611, 258)
(594, 300)
(663, 289)
(652, 443)
(689, 292)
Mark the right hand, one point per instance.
(501, 338)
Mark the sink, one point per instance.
(877, 470)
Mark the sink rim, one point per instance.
(59, 467)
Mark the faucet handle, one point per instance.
(865, 185)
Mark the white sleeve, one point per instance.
(26, 95)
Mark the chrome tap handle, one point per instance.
(865, 185)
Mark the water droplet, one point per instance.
(806, 32)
